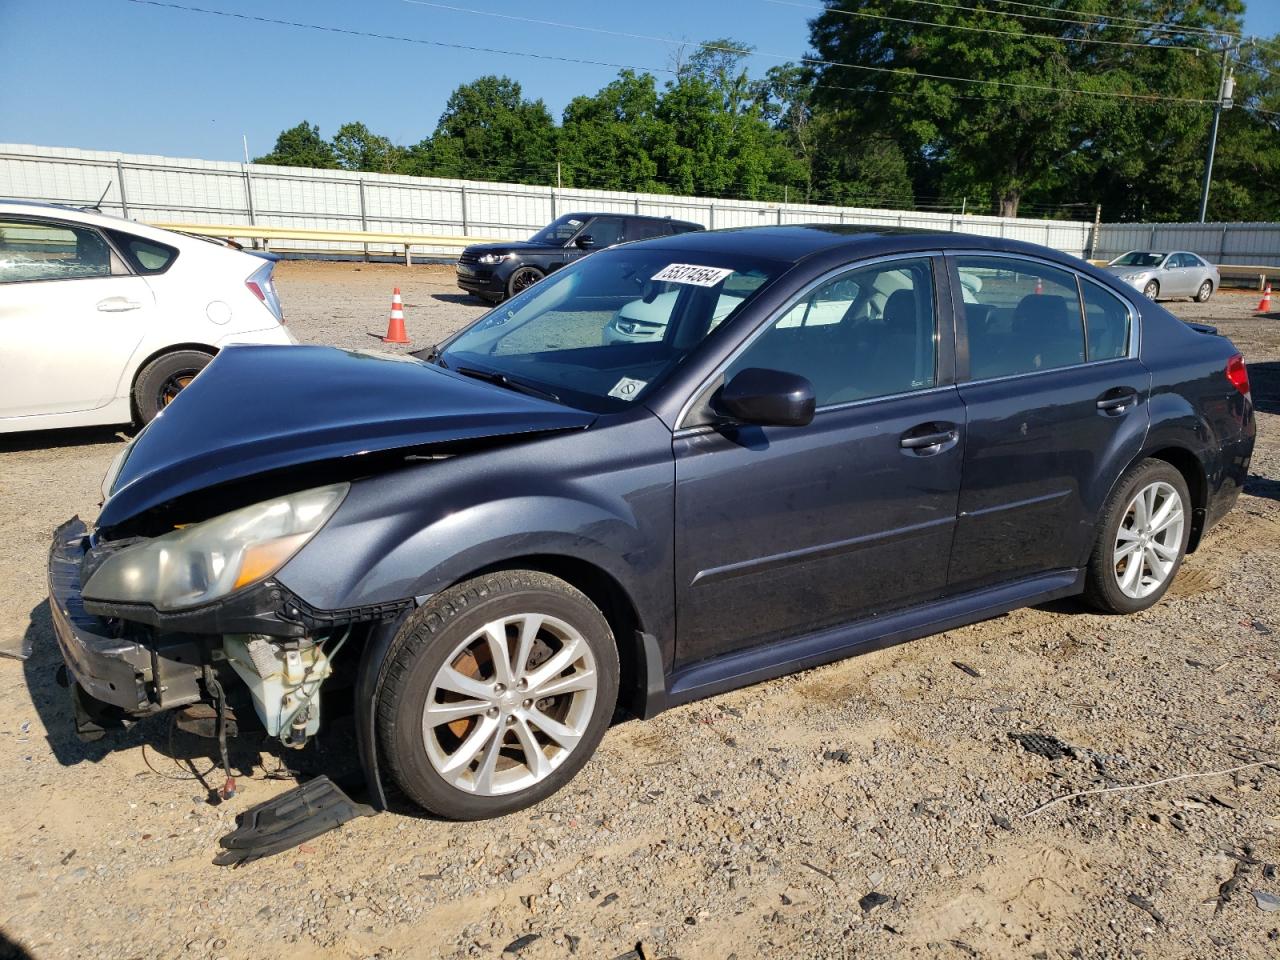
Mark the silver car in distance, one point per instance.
(1164, 276)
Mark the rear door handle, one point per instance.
(1117, 400)
(118, 304)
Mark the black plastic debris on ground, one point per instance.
(519, 943)
(839, 756)
(872, 900)
(283, 822)
(1142, 903)
(1044, 745)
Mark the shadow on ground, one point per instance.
(75, 437)
(1264, 381)
(466, 298)
(174, 754)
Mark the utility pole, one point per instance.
(1226, 85)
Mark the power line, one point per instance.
(742, 51)
(1091, 20)
(386, 36)
(1022, 34)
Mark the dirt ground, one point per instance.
(876, 807)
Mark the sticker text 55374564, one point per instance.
(692, 274)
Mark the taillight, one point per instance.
(261, 286)
(1238, 375)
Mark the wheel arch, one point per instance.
(642, 671)
(1196, 476)
(640, 660)
(155, 355)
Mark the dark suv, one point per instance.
(495, 271)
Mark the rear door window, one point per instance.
(646, 229)
(1025, 318)
(605, 231)
(34, 250)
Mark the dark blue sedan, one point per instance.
(822, 441)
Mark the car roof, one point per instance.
(629, 216)
(794, 243)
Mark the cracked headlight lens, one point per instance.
(211, 559)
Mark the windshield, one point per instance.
(601, 333)
(559, 231)
(1139, 258)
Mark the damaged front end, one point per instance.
(127, 659)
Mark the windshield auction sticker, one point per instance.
(691, 274)
(627, 389)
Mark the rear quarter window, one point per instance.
(1107, 322)
(144, 256)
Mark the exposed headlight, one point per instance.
(209, 560)
(492, 258)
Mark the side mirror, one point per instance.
(585, 242)
(768, 398)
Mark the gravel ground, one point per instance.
(876, 807)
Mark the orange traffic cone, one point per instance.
(1039, 286)
(395, 326)
(1264, 305)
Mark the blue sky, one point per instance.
(117, 75)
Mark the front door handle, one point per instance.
(929, 438)
(1117, 401)
(118, 304)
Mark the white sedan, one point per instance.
(104, 320)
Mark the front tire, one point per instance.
(495, 694)
(1151, 290)
(523, 278)
(163, 379)
(1205, 291)
(1143, 539)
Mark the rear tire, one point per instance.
(1205, 291)
(1142, 541)
(163, 379)
(468, 736)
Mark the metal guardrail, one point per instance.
(366, 237)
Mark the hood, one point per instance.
(1124, 271)
(257, 409)
(510, 246)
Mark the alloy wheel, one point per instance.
(524, 278)
(509, 704)
(1149, 540)
(174, 385)
(1206, 289)
(1151, 290)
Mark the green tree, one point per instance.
(301, 146)
(609, 139)
(1013, 139)
(357, 148)
(489, 131)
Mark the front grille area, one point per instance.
(468, 257)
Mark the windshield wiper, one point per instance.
(502, 380)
